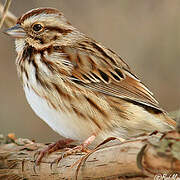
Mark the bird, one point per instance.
(81, 89)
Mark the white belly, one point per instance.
(63, 124)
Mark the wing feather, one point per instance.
(100, 69)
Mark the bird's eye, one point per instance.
(37, 27)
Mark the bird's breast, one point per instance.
(65, 124)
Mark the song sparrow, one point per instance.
(80, 88)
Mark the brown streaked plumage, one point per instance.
(79, 87)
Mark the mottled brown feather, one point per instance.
(110, 79)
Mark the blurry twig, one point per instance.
(7, 17)
(5, 10)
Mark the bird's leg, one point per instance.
(51, 148)
(77, 149)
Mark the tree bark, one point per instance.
(141, 158)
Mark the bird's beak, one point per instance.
(16, 31)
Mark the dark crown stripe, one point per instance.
(36, 12)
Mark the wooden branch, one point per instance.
(10, 19)
(140, 158)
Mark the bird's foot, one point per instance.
(78, 149)
(51, 148)
(71, 151)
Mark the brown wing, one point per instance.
(101, 70)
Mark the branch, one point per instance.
(142, 157)
(7, 17)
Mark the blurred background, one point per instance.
(146, 34)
